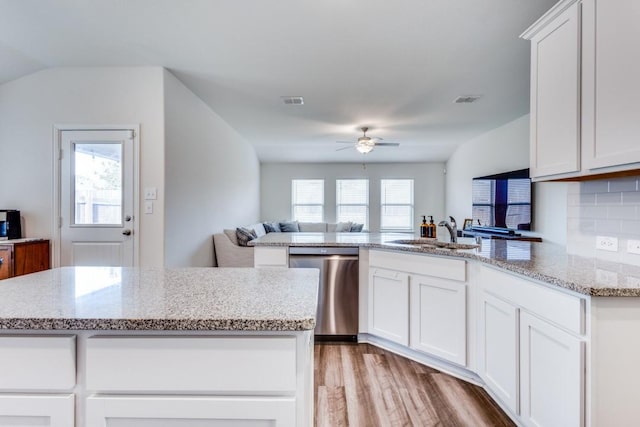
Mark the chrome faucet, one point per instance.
(453, 228)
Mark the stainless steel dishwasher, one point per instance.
(337, 317)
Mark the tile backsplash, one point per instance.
(609, 208)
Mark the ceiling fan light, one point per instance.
(364, 148)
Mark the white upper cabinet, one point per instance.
(555, 96)
(611, 87)
(584, 89)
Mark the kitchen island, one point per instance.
(551, 336)
(99, 346)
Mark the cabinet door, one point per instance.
(498, 349)
(31, 257)
(555, 96)
(6, 264)
(611, 66)
(552, 367)
(438, 317)
(37, 410)
(190, 411)
(389, 305)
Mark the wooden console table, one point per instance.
(23, 256)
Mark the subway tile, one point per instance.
(587, 226)
(573, 188)
(593, 212)
(600, 186)
(588, 199)
(631, 229)
(574, 211)
(631, 197)
(609, 227)
(621, 212)
(608, 198)
(623, 184)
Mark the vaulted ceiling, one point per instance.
(395, 66)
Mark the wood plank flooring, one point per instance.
(362, 385)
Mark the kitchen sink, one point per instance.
(431, 243)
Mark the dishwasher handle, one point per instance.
(322, 250)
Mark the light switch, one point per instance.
(150, 193)
(148, 207)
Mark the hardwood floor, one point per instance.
(362, 385)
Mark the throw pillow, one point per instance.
(289, 227)
(356, 228)
(342, 227)
(271, 227)
(245, 236)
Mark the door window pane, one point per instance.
(97, 171)
(307, 200)
(396, 196)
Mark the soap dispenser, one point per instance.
(424, 226)
(431, 228)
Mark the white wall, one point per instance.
(276, 187)
(29, 108)
(501, 150)
(212, 177)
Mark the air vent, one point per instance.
(467, 99)
(292, 100)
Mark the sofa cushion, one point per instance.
(356, 228)
(313, 227)
(245, 235)
(271, 227)
(231, 234)
(342, 227)
(258, 228)
(289, 227)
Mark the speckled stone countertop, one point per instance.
(546, 262)
(189, 299)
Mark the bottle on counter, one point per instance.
(424, 226)
(431, 228)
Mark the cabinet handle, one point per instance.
(1, 261)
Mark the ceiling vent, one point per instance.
(292, 100)
(467, 99)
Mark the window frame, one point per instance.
(366, 205)
(411, 227)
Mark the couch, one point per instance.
(228, 253)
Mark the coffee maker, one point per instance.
(10, 227)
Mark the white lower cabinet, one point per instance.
(438, 317)
(389, 305)
(552, 367)
(498, 349)
(40, 410)
(190, 411)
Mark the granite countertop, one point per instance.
(114, 298)
(542, 261)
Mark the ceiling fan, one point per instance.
(365, 144)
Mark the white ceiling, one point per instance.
(395, 66)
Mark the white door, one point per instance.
(438, 323)
(552, 375)
(498, 349)
(96, 197)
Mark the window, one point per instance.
(352, 201)
(396, 199)
(307, 200)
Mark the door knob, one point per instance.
(128, 218)
(126, 232)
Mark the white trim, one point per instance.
(550, 15)
(55, 224)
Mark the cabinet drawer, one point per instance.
(37, 362)
(444, 268)
(565, 310)
(191, 364)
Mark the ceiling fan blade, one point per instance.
(344, 148)
(388, 144)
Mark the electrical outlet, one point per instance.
(633, 246)
(606, 277)
(148, 207)
(606, 243)
(150, 193)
